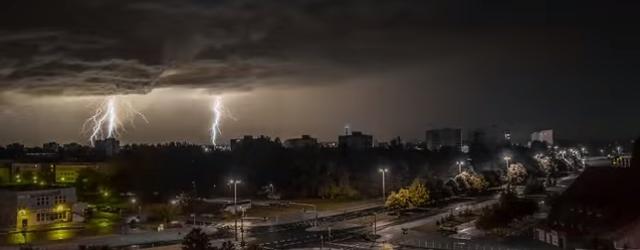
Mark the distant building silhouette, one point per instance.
(248, 141)
(306, 141)
(51, 147)
(355, 141)
(446, 137)
(108, 147)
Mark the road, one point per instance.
(390, 230)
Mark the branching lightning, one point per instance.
(106, 121)
(217, 109)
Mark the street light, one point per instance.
(460, 164)
(507, 159)
(383, 171)
(235, 202)
(133, 204)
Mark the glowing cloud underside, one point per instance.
(106, 121)
(217, 115)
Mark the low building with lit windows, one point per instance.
(27, 206)
(68, 172)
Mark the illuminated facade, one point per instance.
(28, 206)
(543, 136)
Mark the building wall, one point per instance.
(37, 207)
(304, 142)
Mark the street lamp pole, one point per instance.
(383, 171)
(507, 159)
(460, 164)
(235, 204)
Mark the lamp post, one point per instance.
(383, 171)
(507, 159)
(235, 203)
(133, 203)
(460, 164)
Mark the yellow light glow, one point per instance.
(60, 208)
(22, 212)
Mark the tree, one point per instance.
(516, 174)
(418, 194)
(398, 200)
(474, 182)
(196, 240)
(412, 196)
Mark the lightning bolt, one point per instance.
(217, 109)
(106, 121)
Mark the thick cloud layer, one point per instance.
(99, 47)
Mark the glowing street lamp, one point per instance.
(460, 164)
(383, 171)
(507, 159)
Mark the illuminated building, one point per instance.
(446, 137)
(507, 137)
(26, 206)
(623, 161)
(27, 173)
(69, 172)
(543, 136)
(305, 141)
(355, 141)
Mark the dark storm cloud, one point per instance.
(79, 47)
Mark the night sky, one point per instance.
(286, 68)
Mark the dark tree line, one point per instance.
(160, 170)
